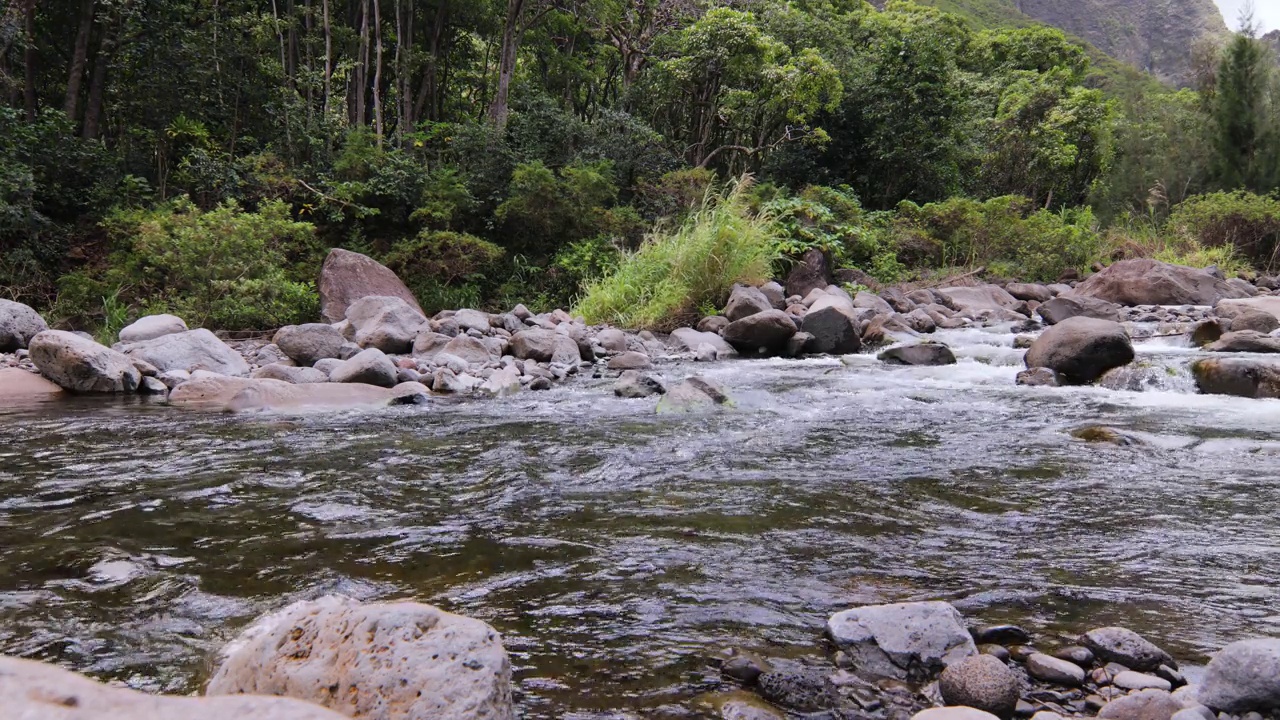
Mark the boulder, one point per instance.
(152, 327)
(630, 361)
(745, 301)
(1120, 645)
(1209, 331)
(613, 340)
(473, 320)
(982, 682)
(634, 384)
(1029, 292)
(834, 325)
(811, 272)
(871, 301)
(1081, 349)
(958, 712)
(978, 299)
(82, 365)
(925, 353)
(1038, 377)
(375, 661)
(18, 324)
(693, 394)
(713, 324)
(920, 321)
(428, 343)
(18, 385)
(444, 380)
(1232, 307)
(502, 383)
(1246, 288)
(470, 350)
(385, 322)
(534, 344)
(1241, 377)
(1255, 320)
(305, 344)
(347, 277)
(907, 641)
(1244, 676)
(191, 350)
(776, 294)
(285, 373)
(1054, 670)
(1142, 705)
(1143, 281)
(689, 340)
(227, 394)
(368, 367)
(766, 332)
(1245, 341)
(36, 691)
(1062, 307)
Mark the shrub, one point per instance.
(1248, 223)
(225, 268)
(445, 269)
(674, 273)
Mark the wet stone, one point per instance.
(1001, 635)
(1130, 680)
(997, 651)
(802, 690)
(1053, 670)
(1020, 653)
(1077, 654)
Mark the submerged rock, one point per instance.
(634, 384)
(1038, 377)
(1244, 676)
(903, 640)
(1081, 349)
(376, 661)
(18, 324)
(36, 691)
(926, 353)
(1242, 377)
(82, 365)
(802, 691)
(693, 394)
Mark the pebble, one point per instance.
(1130, 680)
(1053, 670)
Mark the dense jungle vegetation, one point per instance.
(202, 157)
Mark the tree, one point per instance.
(1243, 112)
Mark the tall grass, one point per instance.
(675, 273)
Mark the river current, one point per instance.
(620, 551)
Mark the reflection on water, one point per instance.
(617, 550)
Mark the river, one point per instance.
(618, 551)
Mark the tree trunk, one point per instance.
(431, 76)
(79, 56)
(328, 57)
(29, 60)
(362, 68)
(98, 81)
(377, 72)
(500, 109)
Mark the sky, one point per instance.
(1267, 12)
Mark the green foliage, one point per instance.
(224, 268)
(1244, 116)
(676, 272)
(445, 270)
(1243, 222)
(545, 209)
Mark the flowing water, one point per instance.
(618, 550)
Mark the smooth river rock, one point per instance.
(1243, 676)
(1126, 647)
(18, 324)
(926, 353)
(1142, 705)
(1143, 281)
(191, 350)
(374, 661)
(1133, 680)
(82, 365)
(152, 327)
(309, 343)
(1053, 670)
(765, 332)
(745, 301)
(349, 276)
(953, 713)
(1242, 377)
(983, 682)
(387, 323)
(1081, 349)
(228, 394)
(902, 640)
(692, 395)
(37, 691)
(18, 385)
(1245, 341)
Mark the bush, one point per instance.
(1247, 223)
(675, 273)
(225, 268)
(445, 270)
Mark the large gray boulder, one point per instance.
(387, 323)
(1244, 676)
(472, 350)
(18, 324)
(152, 327)
(1143, 281)
(925, 353)
(191, 350)
(1081, 349)
(546, 346)
(82, 365)
(834, 324)
(376, 661)
(1254, 319)
(766, 332)
(871, 301)
(347, 276)
(745, 301)
(308, 343)
(979, 299)
(368, 367)
(1244, 341)
(1029, 292)
(1068, 306)
(905, 640)
(36, 691)
(1124, 646)
(1269, 304)
(228, 394)
(1241, 377)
